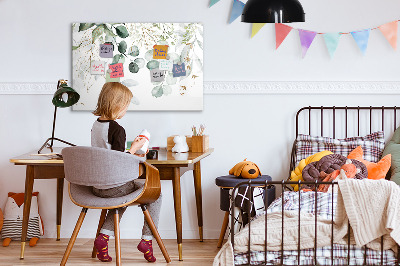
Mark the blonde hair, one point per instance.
(113, 98)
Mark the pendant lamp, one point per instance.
(63, 97)
(273, 11)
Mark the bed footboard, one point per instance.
(310, 254)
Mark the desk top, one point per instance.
(164, 157)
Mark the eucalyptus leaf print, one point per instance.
(140, 62)
(118, 58)
(122, 31)
(133, 51)
(85, 26)
(133, 67)
(130, 82)
(149, 55)
(153, 64)
(167, 90)
(97, 32)
(122, 47)
(157, 91)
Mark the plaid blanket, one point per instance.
(340, 254)
(323, 205)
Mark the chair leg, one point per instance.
(73, 237)
(101, 222)
(154, 230)
(117, 239)
(223, 229)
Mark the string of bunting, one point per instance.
(361, 37)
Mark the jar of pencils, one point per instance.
(200, 141)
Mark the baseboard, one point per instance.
(247, 87)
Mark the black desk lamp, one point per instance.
(64, 97)
(273, 11)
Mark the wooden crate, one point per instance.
(171, 143)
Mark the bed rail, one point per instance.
(265, 185)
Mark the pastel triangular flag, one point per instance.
(256, 28)
(213, 2)
(281, 31)
(361, 37)
(332, 41)
(306, 39)
(237, 9)
(389, 30)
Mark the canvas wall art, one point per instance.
(161, 63)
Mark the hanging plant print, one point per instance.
(154, 60)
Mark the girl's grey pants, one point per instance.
(154, 208)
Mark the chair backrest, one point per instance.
(92, 166)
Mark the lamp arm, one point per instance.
(54, 126)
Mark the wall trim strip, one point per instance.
(250, 87)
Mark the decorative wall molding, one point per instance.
(302, 87)
(27, 88)
(250, 87)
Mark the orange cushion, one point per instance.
(375, 170)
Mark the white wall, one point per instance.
(35, 47)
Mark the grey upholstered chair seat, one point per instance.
(83, 196)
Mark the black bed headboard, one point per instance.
(344, 121)
(347, 112)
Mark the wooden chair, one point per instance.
(85, 167)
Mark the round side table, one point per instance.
(228, 182)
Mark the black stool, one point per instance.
(226, 183)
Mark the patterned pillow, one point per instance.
(372, 144)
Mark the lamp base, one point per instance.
(50, 146)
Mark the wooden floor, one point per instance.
(50, 252)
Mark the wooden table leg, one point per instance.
(27, 206)
(60, 191)
(199, 204)
(176, 184)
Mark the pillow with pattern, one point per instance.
(372, 145)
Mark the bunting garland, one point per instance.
(237, 9)
(306, 39)
(213, 2)
(389, 30)
(361, 37)
(256, 28)
(332, 41)
(281, 31)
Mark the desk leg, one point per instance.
(197, 189)
(60, 190)
(176, 182)
(27, 206)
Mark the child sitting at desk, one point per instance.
(112, 104)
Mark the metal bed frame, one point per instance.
(283, 184)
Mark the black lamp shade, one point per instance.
(273, 11)
(73, 96)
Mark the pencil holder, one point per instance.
(200, 143)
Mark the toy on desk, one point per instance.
(144, 134)
(13, 215)
(180, 144)
(245, 169)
